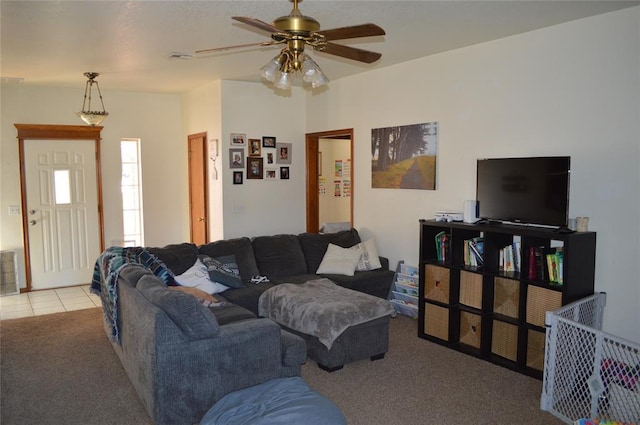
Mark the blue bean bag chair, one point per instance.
(282, 401)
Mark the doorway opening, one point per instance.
(317, 167)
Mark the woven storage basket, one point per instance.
(471, 289)
(436, 321)
(535, 350)
(539, 301)
(504, 341)
(436, 283)
(506, 297)
(470, 329)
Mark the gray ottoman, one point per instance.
(281, 401)
(359, 342)
(339, 325)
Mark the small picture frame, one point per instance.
(269, 157)
(270, 174)
(254, 167)
(284, 173)
(237, 177)
(254, 147)
(283, 153)
(238, 139)
(236, 158)
(268, 142)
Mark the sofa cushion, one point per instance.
(339, 260)
(177, 257)
(223, 270)
(315, 245)
(239, 247)
(246, 296)
(279, 255)
(226, 313)
(186, 311)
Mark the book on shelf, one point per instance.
(442, 246)
(545, 264)
(511, 257)
(555, 265)
(473, 252)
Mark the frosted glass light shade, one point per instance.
(92, 117)
(319, 80)
(283, 82)
(270, 70)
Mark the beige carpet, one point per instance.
(60, 369)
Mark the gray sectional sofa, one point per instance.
(182, 356)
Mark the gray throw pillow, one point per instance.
(186, 311)
(223, 270)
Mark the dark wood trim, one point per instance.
(205, 167)
(46, 131)
(55, 132)
(312, 143)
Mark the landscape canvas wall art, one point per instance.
(404, 157)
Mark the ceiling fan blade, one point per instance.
(348, 52)
(237, 46)
(257, 23)
(364, 30)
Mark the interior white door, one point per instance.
(62, 210)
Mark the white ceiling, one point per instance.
(53, 43)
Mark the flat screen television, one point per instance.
(531, 190)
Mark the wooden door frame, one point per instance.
(205, 150)
(54, 132)
(312, 144)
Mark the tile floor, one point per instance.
(48, 301)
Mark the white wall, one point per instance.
(263, 207)
(333, 208)
(154, 118)
(202, 112)
(571, 89)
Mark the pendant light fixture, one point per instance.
(87, 115)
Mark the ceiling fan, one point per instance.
(296, 31)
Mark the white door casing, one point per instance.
(62, 211)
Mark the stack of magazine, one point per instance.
(405, 290)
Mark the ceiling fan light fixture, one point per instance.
(311, 73)
(270, 71)
(309, 69)
(319, 80)
(90, 117)
(283, 81)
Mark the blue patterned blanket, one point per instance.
(105, 278)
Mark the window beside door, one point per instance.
(131, 186)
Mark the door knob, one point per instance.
(201, 219)
(32, 222)
(32, 212)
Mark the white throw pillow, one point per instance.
(369, 259)
(338, 260)
(198, 277)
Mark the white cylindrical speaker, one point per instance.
(470, 211)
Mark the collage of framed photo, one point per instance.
(258, 158)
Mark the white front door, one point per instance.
(62, 211)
